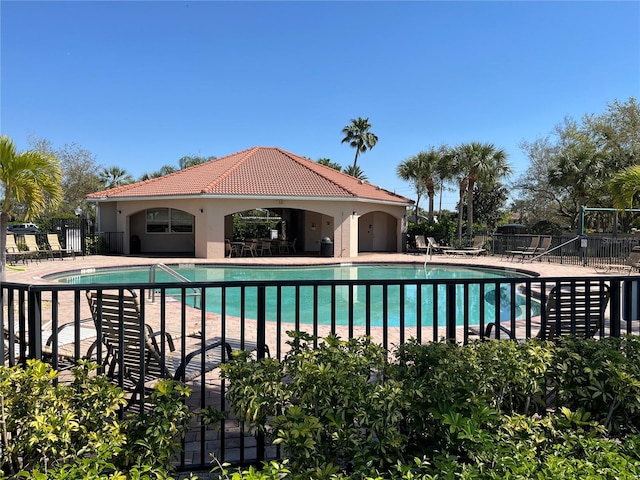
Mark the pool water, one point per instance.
(305, 309)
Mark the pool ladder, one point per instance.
(172, 273)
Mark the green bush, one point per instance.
(493, 409)
(244, 228)
(56, 430)
(443, 231)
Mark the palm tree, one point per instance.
(423, 170)
(486, 162)
(356, 172)
(29, 178)
(358, 136)
(468, 163)
(578, 167)
(625, 186)
(114, 176)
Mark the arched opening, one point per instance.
(162, 231)
(292, 231)
(377, 232)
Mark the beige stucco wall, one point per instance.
(338, 220)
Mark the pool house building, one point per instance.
(190, 212)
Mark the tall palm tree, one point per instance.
(452, 168)
(423, 170)
(486, 162)
(114, 176)
(466, 164)
(358, 136)
(625, 186)
(29, 178)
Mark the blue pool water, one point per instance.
(306, 309)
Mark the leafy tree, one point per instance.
(328, 163)
(79, 176)
(355, 171)
(423, 170)
(28, 178)
(574, 165)
(617, 133)
(114, 176)
(538, 199)
(358, 136)
(489, 200)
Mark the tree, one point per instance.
(488, 203)
(469, 163)
(328, 163)
(575, 164)
(358, 136)
(617, 133)
(356, 172)
(114, 176)
(423, 170)
(29, 178)
(192, 160)
(164, 170)
(625, 187)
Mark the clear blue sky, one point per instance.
(141, 84)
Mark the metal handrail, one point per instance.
(555, 248)
(171, 272)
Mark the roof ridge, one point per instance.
(246, 153)
(307, 163)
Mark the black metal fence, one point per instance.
(597, 250)
(59, 324)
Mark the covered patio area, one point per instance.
(191, 212)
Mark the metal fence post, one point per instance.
(450, 316)
(34, 324)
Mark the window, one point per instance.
(169, 220)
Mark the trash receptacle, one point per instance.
(134, 244)
(326, 247)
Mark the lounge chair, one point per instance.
(543, 247)
(533, 245)
(56, 247)
(33, 247)
(126, 339)
(13, 252)
(421, 244)
(433, 245)
(478, 243)
(577, 310)
(631, 263)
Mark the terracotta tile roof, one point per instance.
(258, 171)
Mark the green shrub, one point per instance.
(493, 409)
(601, 376)
(57, 430)
(328, 407)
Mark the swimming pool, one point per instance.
(309, 303)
